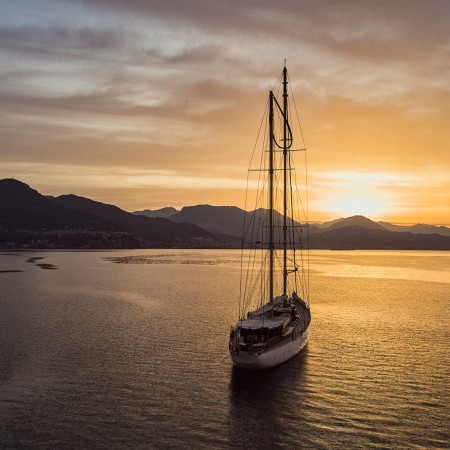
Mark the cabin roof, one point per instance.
(255, 324)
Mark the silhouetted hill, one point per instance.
(417, 228)
(370, 224)
(24, 208)
(163, 212)
(229, 220)
(357, 237)
(353, 221)
(154, 229)
(345, 233)
(29, 219)
(219, 219)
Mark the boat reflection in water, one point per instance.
(262, 405)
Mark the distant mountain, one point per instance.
(229, 220)
(417, 229)
(356, 232)
(22, 206)
(163, 212)
(370, 224)
(360, 238)
(153, 229)
(218, 219)
(29, 219)
(358, 221)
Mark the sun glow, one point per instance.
(370, 194)
(358, 204)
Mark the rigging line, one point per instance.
(296, 111)
(308, 255)
(291, 164)
(252, 254)
(258, 278)
(257, 281)
(249, 261)
(308, 250)
(276, 84)
(263, 121)
(248, 286)
(306, 186)
(246, 201)
(279, 262)
(300, 197)
(249, 281)
(261, 181)
(254, 149)
(304, 145)
(276, 89)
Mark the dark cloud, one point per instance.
(188, 101)
(59, 37)
(320, 21)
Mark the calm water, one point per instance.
(97, 354)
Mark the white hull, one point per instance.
(272, 357)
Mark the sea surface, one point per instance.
(129, 349)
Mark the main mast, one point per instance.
(271, 173)
(285, 163)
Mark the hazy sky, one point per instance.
(145, 103)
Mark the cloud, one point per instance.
(59, 48)
(202, 54)
(182, 86)
(58, 37)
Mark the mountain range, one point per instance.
(29, 219)
(356, 232)
(228, 220)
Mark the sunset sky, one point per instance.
(146, 104)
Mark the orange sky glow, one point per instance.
(147, 104)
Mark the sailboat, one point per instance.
(274, 314)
